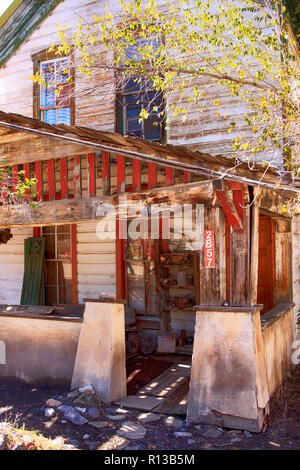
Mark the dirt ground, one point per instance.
(22, 405)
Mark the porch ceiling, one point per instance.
(24, 139)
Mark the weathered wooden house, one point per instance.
(65, 284)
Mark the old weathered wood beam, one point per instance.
(85, 209)
(213, 280)
(239, 264)
(228, 205)
(254, 247)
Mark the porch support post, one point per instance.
(212, 287)
(228, 381)
(101, 356)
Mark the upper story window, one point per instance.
(54, 99)
(53, 103)
(135, 95)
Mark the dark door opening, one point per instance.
(266, 263)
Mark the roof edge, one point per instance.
(9, 11)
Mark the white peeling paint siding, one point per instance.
(296, 266)
(96, 262)
(12, 266)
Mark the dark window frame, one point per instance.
(37, 59)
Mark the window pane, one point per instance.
(64, 229)
(64, 116)
(62, 71)
(133, 111)
(50, 116)
(63, 246)
(134, 127)
(47, 96)
(152, 131)
(50, 247)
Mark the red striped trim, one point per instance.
(121, 174)
(77, 176)
(92, 174)
(51, 180)
(105, 173)
(39, 183)
(64, 178)
(152, 174)
(136, 175)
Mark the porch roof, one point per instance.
(24, 139)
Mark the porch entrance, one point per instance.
(266, 263)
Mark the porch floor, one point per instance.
(166, 393)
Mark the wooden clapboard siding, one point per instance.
(95, 95)
(296, 263)
(96, 263)
(12, 266)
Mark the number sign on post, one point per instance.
(209, 247)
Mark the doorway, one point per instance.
(266, 263)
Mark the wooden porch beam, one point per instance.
(228, 204)
(79, 209)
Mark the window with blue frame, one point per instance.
(137, 94)
(55, 100)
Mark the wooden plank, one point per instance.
(136, 175)
(254, 248)
(238, 201)
(39, 177)
(51, 179)
(163, 385)
(64, 178)
(176, 403)
(92, 174)
(152, 174)
(105, 174)
(74, 264)
(120, 264)
(169, 176)
(77, 176)
(187, 176)
(213, 280)
(85, 209)
(230, 210)
(121, 185)
(240, 264)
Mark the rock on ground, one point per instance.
(131, 430)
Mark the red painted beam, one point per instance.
(105, 173)
(64, 178)
(121, 186)
(92, 174)
(238, 201)
(169, 176)
(136, 175)
(186, 176)
(51, 180)
(152, 175)
(77, 176)
(233, 220)
(39, 183)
